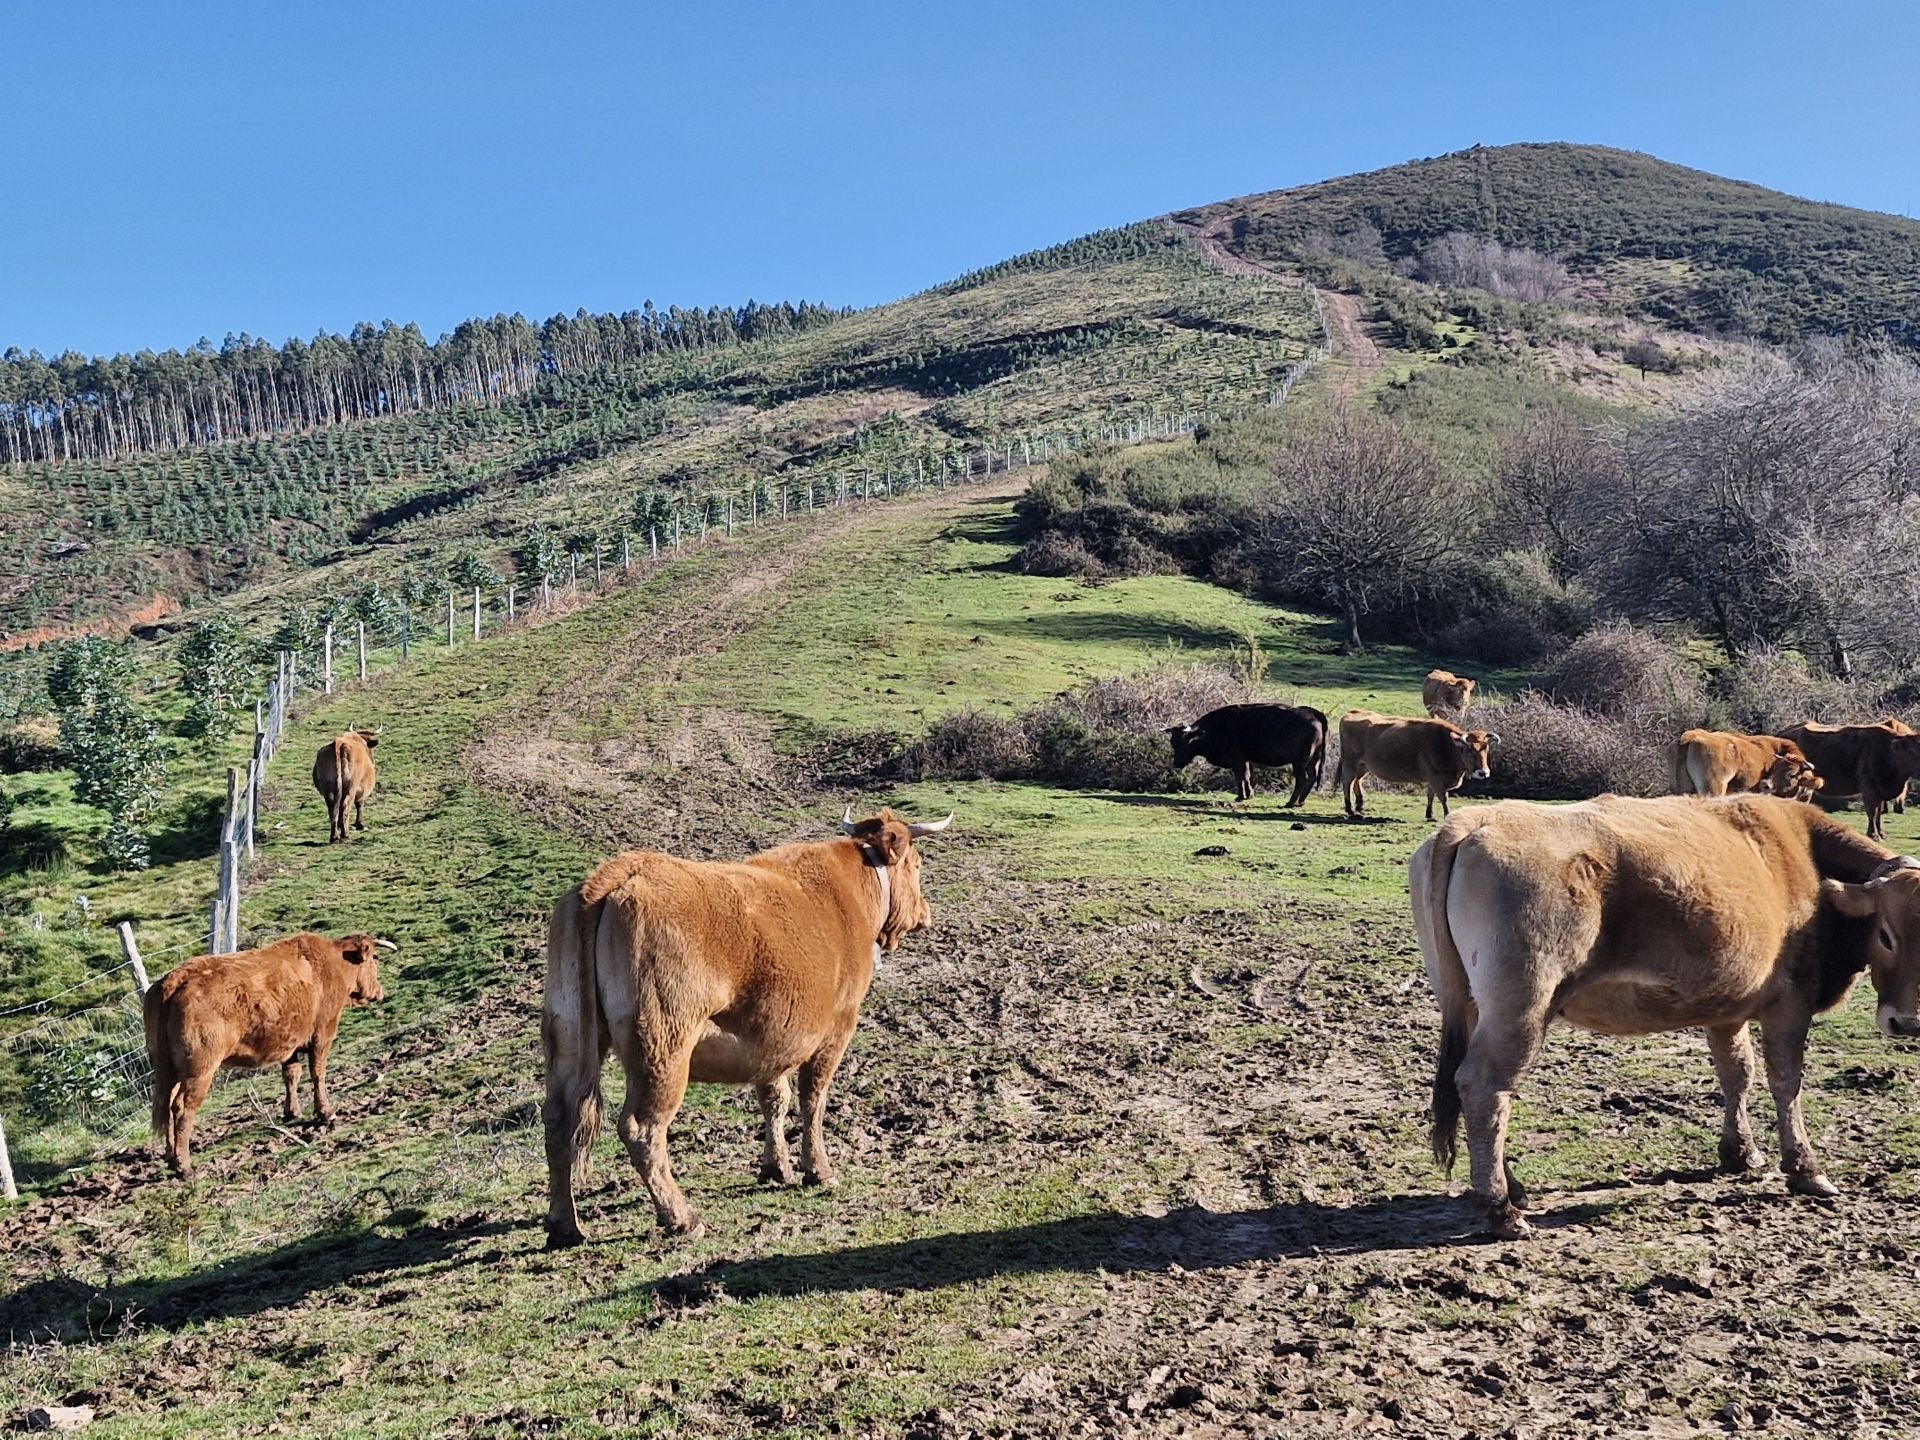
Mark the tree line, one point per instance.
(80, 407)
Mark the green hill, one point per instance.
(1682, 246)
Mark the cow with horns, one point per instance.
(728, 973)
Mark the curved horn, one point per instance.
(932, 827)
(847, 826)
(1492, 738)
(385, 945)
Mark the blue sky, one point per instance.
(184, 168)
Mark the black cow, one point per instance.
(1239, 737)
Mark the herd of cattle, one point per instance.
(1731, 901)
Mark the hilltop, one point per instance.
(1686, 248)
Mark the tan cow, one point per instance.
(1446, 695)
(343, 773)
(1632, 917)
(252, 1008)
(722, 973)
(1434, 753)
(1725, 762)
(1874, 762)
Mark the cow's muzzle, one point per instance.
(1897, 1026)
(1483, 773)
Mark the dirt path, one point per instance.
(1347, 334)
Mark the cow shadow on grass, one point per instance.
(1221, 808)
(1193, 1238)
(70, 1310)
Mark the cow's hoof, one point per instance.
(823, 1179)
(1812, 1182)
(687, 1227)
(1504, 1222)
(1735, 1161)
(777, 1175)
(323, 1117)
(564, 1238)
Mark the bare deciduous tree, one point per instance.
(1361, 514)
(1555, 480)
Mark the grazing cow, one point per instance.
(1873, 762)
(1434, 753)
(1724, 762)
(343, 773)
(1632, 917)
(1445, 694)
(1239, 737)
(723, 973)
(249, 1009)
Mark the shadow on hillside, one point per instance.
(66, 1308)
(1085, 627)
(191, 832)
(35, 845)
(989, 525)
(1196, 1239)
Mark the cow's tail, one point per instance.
(1317, 755)
(1430, 875)
(166, 1081)
(571, 1027)
(337, 802)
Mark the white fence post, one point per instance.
(510, 588)
(132, 951)
(253, 793)
(406, 632)
(7, 1190)
(362, 629)
(476, 612)
(449, 618)
(326, 660)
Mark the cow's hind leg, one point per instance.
(776, 1103)
(317, 1067)
(656, 1084)
(815, 1076)
(1499, 1053)
(188, 1096)
(1732, 1051)
(1301, 782)
(359, 818)
(290, 1078)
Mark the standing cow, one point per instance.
(253, 1008)
(1635, 917)
(1239, 737)
(1446, 695)
(1725, 762)
(343, 773)
(1874, 762)
(721, 973)
(1435, 753)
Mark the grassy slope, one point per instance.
(1120, 1091)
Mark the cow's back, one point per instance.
(261, 1002)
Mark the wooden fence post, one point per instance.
(573, 560)
(361, 625)
(326, 660)
(7, 1190)
(449, 617)
(476, 612)
(596, 562)
(626, 552)
(653, 540)
(509, 600)
(253, 793)
(406, 631)
(132, 951)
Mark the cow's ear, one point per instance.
(355, 949)
(893, 841)
(1855, 900)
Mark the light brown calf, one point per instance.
(1435, 753)
(1632, 917)
(1725, 762)
(252, 1008)
(1445, 694)
(723, 973)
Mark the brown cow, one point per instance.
(1434, 753)
(343, 773)
(1724, 762)
(1445, 694)
(245, 1010)
(721, 973)
(1635, 917)
(1874, 762)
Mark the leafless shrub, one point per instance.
(969, 744)
(1630, 675)
(1060, 555)
(1549, 751)
(1555, 480)
(1360, 245)
(1767, 689)
(1459, 260)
